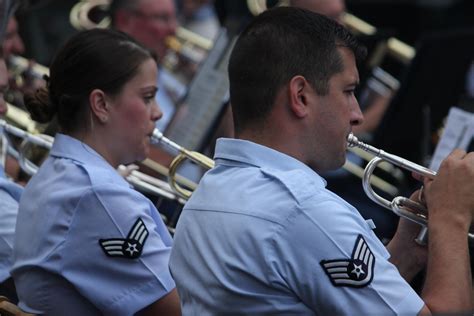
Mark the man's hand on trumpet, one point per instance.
(409, 256)
(450, 197)
(450, 202)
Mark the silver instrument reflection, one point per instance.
(401, 206)
(28, 139)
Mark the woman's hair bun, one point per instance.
(39, 105)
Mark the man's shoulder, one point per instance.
(295, 182)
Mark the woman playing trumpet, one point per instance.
(86, 242)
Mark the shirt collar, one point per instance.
(69, 147)
(250, 153)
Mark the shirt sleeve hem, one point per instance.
(144, 295)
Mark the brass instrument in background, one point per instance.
(25, 76)
(31, 138)
(258, 6)
(20, 118)
(186, 48)
(89, 14)
(28, 139)
(401, 206)
(392, 46)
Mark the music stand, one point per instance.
(204, 104)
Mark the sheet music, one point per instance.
(458, 133)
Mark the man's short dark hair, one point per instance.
(278, 45)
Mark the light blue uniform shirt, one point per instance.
(262, 235)
(86, 242)
(10, 193)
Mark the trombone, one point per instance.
(402, 206)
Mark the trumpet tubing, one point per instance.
(29, 139)
(396, 160)
(18, 65)
(42, 140)
(184, 154)
(401, 206)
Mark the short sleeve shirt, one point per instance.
(263, 236)
(86, 242)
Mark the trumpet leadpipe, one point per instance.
(394, 159)
(198, 158)
(158, 137)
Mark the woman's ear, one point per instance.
(99, 106)
(298, 93)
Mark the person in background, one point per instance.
(199, 16)
(261, 234)
(12, 43)
(10, 194)
(9, 191)
(86, 243)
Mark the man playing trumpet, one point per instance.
(262, 234)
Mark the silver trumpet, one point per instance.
(400, 205)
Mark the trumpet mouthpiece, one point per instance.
(352, 140)
(156, 136)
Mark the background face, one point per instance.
(152, 22)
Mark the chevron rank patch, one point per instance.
(357, 271)
(130, 247)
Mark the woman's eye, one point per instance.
(149, 98)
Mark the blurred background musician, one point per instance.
(9, 191)
(23, 77)
(12, 43)
(86, 243)
(10, 194)
(199, 16)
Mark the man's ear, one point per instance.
(298, 92)
(99, 107)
